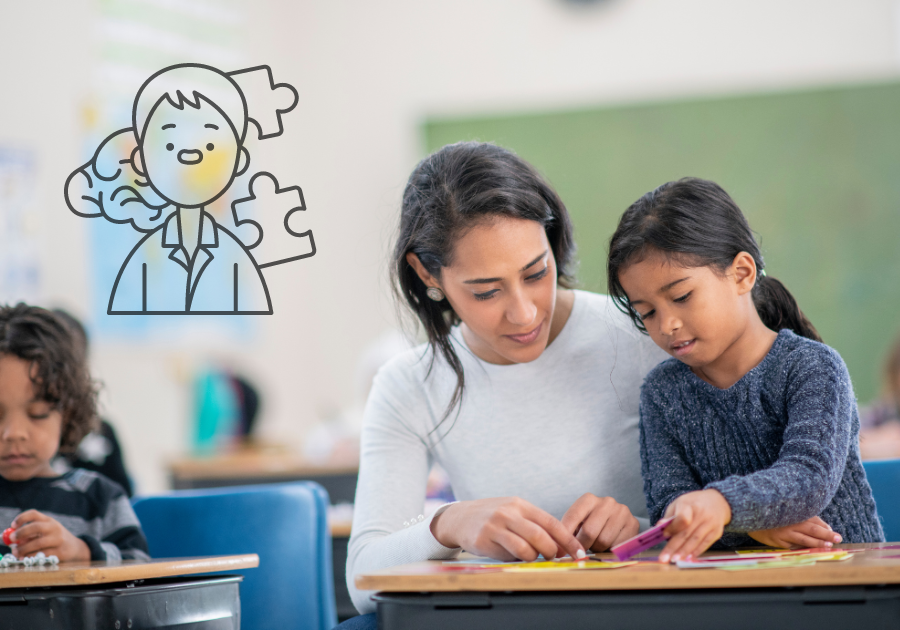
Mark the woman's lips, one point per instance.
(527, 337)
(683, 347)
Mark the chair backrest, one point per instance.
(884, 477)
(285, 524)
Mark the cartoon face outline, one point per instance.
(190, 154)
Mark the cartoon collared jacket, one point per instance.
(223, 278)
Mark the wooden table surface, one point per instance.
(86, 573)
(875, 565)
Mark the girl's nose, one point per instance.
(670, 325)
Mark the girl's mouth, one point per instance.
(683, 347)
(528, 337)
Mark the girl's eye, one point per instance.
(646, 316)
(487, 295)
(540, 274)
(683, 298)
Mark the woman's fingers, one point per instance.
(578, 512)
(535, 536)
(516, 546)
(555, 529)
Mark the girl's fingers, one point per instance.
(707, 541)
(692, 543)
(824, 536)
(675, 545)
(818, 521)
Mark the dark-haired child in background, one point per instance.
(48, 404)
(99, 450)
(751, 429)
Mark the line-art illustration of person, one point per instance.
(190, 122)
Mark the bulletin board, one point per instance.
(816, 172)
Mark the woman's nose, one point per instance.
(521, 310)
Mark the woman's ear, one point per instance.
(743, 270)
(243, 161)
(421, 271)
(137, 161)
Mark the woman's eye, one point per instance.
(487, 295)
(540, 274)
(683, 298)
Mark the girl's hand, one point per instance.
(505, 528)
(813, 532)
(600, 522)
(700, 519)
(38, 532)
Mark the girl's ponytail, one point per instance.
(778, 309)
(696, 223)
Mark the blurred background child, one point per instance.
(47, 405)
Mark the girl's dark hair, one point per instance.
(61, 376)
(448, 193)
(696, 223)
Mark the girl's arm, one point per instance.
(664, 466)
(820, 428)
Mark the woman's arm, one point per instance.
(393, 472)
(810, 465)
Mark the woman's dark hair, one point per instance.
(695, 223)
(61, 376)
(448, 193)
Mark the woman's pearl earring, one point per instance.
(434, 293)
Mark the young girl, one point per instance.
(47, 403)
(751, 430)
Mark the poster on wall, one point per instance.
(20, 268)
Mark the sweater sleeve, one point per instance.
(664, 465)
(802, 482)
(393, 472)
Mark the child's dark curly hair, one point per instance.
(61, 376)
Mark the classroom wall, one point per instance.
(368, 74)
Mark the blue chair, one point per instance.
(285, 524)
(884, 477)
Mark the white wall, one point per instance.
(368, 73)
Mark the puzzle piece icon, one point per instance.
(266, 100)
(275, 213)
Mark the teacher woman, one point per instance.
(526, 392)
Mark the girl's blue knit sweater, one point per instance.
(781, 444)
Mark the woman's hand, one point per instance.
(813, 532)
(38, 532)
(599, 522)
(505, 528)
(700, 519)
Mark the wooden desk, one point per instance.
(130, 594)
(82, 573)
(827, 594)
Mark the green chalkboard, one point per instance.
(816, 172)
